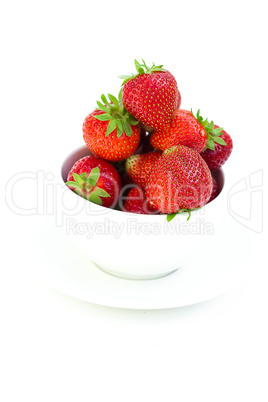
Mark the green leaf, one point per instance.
(119, 128)
(103, 117)
(102, 107)
(158, 67)
(72, 184)
(104, 100)
(126, 80)
(208, 126)
(79, 180)
(102, 193)
(111, 127)
(204, 124)
(119, 117)
(132, 121)
(94, 176)
(140, 70)
(113, 99)
(217, 131)
(210, 145)
(127, 128)
(119, 124)
(220, 141)
(124, 76)
(120, 95)
(76, 191)
(144, 64)
(155, 68)
(95, 198)
(209, 137)
(171, 216)
(137, 65)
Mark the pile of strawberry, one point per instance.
(149, 156)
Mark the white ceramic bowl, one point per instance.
(136, 246)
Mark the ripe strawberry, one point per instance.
(179, 180)
(95, 180)
(110, 132)
(138, 167)
(216, 157)
(137, 203)
(186, 129)
(151, 96)
(215, 190)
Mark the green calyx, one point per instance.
(141, 68)
(118, 116)
(86, 186)
(213, 134)
(172, 216)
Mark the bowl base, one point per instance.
(134, 277)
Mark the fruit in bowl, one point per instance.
(179, 180)
(96, 180)
(138, 167)
(151, 95)
(110, 132)
(146, 162)
(136, 245)
(136, 202)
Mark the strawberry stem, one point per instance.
(115, 112)
(86, 186)
(213, 134)
(172, 216)
(141, 68)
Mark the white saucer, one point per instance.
(68, 270)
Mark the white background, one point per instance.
(57, 59)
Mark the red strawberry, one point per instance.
(95, 180)
(179, 180)
(110, 132)
(136, 202)
(151, 96)
(216, 157)
(186, 129)
(138, 167)
(215, 189)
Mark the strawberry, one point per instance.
(110, 132)
(215, 190)
(136, 202)
(151, 96)
(186, 129)
(216, 157)
(95, 180)
(138, 167)
(179, 180)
